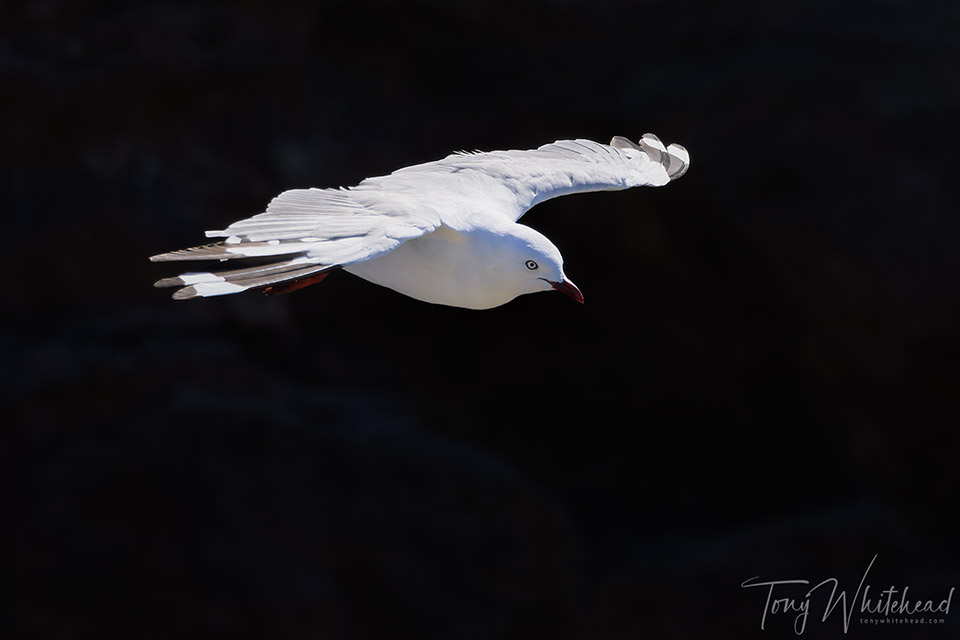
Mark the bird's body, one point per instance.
(452, 268)
(443, 232)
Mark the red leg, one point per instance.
(296, 284)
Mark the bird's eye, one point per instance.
(531, 265)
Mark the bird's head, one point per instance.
(529, 262)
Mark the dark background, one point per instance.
(762, 382)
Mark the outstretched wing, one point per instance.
(308, 231)
(564, 167)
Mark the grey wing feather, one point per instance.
(230, 251)
(236, 275)
(216, 287)
(675, 158)
(204, 284)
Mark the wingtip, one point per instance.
(653, 147)
(680, 151)
(679, 161)
(168, 282)
(187, 293)
(674, 158)
(171, 256)
(653, 141)
(620, 142)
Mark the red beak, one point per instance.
(568, 288)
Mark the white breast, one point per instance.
(444, 267)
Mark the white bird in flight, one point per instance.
(444, 232)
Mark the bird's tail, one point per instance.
(280, 275)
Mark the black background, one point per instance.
(762, 382)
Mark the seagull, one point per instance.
(443, 232)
